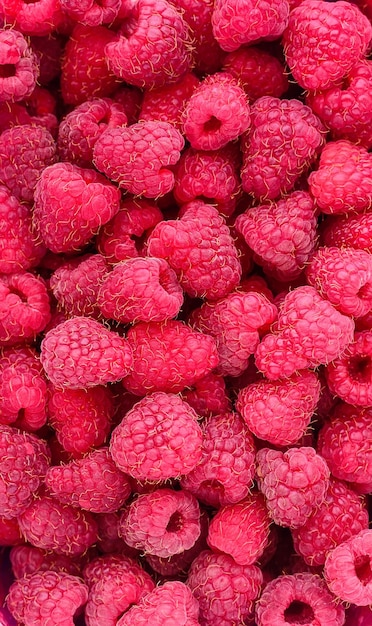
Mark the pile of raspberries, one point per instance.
(185, 312)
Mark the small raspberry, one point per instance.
(208, 396)
(354, 231)
(10, 533)
(158, 439)
(167, 103)
(32, 18)
(92, 12)
(164, 522)
(28, 560)
(18, 67)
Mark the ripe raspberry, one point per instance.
(50, 525)
(284, 139)
(18, 67)
(47, 597)
(25, 308)
(347, 569)
(208, 396)
(343, 181)
(302, 598)
(108, 535)
(158, 439)
(48, 51)
(171, 603)
(178, 355)
(164, 522)
(244, 22)
(354, 231)
(341, 515)
(349, 377)
(225, 472)
(10, 534)
(24, 460)
(259, 72)
(154, 47)
(280, 412)
(167, 103)
(82, 353)
(309, 332)
(201, 250)
(32, 18)
(71, 204)
(28, 560)
(80, 129)
(225, 590)
(91, 12)
(81, 417)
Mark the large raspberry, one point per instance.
(349, 377)
(19, 69)
(208, 396)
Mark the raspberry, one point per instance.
(201, 250)
(80, 129)
(154, 47)
(343, 181)
(167, 103)
(18, 67)
(32, 18)
(302, 598)
(71, 532)
(108, 537)
(28, 560)
(178, 355)
(280, 412)
(24, 460)
(347, 569)
(353, 231)
(244, 22)
(48, 51)
(91, 12)
(225, 590)
(130, 98)
(349, 377)
(164, 522)
(71, 204)
(158, 439)
(216, 113)
(171, 603)
(284, 139)
(82, 353)
(24, 308)
(309, 332)
(225, 472)
(241, 530)
(208, 396)
(47, 597)
(341, 515)
(10, 534)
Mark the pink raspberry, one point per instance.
(220, 604)
(226, 469)
(178, 355)
(80, 129)
(208, 396)
(347, 569)
(92, 12)
(158, 439)
(167, 103)
(216, 113)
(32, 18)
(108, 535)
(48, 50)
(18, 67)
(302, 598)
(354, 231)
(341, 515)
(283, 141)
(248, 21)
(47, 597)
(81, 417)
(24, 459)
(71, 204)
(10, 533)
(154, 47)
(309, 332)
(164, 522)
(280, 412)
(27, 559)
(201, 250)
(349, 376)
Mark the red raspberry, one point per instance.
(280, 412)
(349, 377)
(302, 598)
(242, 22)
(341, 515)
(28, 560)
(309, 332)
(47, 597)
(48, 50)
(71, 204)
(10, 533)
(24, 308)
(201, 250)
(158, 439)
(259, 72)
(84, 68)
(354, 231)
(208, 396)
(50, 525)
(171, 603)
(92, 12)
(32, 18)
(164, 522)
(108, 535)
(235, 322)
(284, 139)
(178, 355)
(140, 289)
(347, 569)
(82, 353)
(221, 605)
(80, 129)
(154, 47)
(24, 460)
(343, 181)
(225, 472)
(167, 103)
(18, 67)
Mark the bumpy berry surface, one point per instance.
(167, 103)
(15, 52)
(349, 377)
